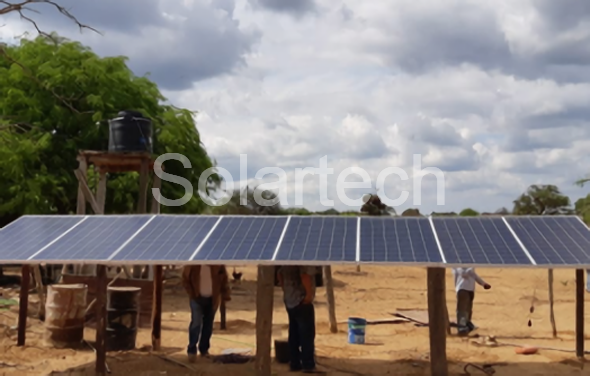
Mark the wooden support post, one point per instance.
(87, 192)
(156, 196)
(144, 173)
(143, 185)
(580, 313)
(101, 322)
(81, 205)
(83, 167)
(23, 304)
(222, 312)
(436, 322)
(40, 291)
(331, 300)
(551, 312)
(101, 191)
(157, 308)
(264, 307)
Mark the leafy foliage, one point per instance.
(375, 207)
(468, 213)
(542, 199)
(55, 98)
(582, 207)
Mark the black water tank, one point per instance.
(130, 131)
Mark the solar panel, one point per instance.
(553, 240)
(27, 235)
(319, 239)
(167, 237)
(398, 240)
(485, 240)
(242, 238)
(97, 238)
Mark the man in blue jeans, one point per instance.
(206, 286)
(298, 283)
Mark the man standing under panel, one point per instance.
(206, 286)
(298, 283)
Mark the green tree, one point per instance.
(55, 99)
(374, 207)
(412, 213)
(582, 207)
(468, 213)
(542, 200)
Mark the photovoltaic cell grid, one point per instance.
(478, 241)
(319, 239)
(27, 235)
(399, 240)
(243, 238)
(549, 240)
(97, 238)
(553, 240)
(167, 238)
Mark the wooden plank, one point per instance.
(264, 307)
(101, 322)
(157, 308)
(551, 312)
(437, 325)
(87, 192)
(23, 304)
(580, 313)
(331, 300)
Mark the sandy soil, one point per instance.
(391, 349)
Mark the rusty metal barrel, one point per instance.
(65, 311)
(122, 318)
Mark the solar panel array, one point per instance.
(545, 241)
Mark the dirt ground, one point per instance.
(391, 349)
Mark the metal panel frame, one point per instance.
(272, 261)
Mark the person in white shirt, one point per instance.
(465, 279)
(206, 286)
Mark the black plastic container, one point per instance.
(130, 132)
(282, 352)
(122, 318)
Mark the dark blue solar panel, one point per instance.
(485, 240)
(168, 237)
(553, 240)
(398, 240)
(97, 238)
(319, 239)
(27, 235)
(243, 238)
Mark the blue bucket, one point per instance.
(356, 330)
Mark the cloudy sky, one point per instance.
(495, 94)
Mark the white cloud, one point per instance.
(494, 94)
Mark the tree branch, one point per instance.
(22, 6)
(19, 8)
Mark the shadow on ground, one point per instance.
(141, 364)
